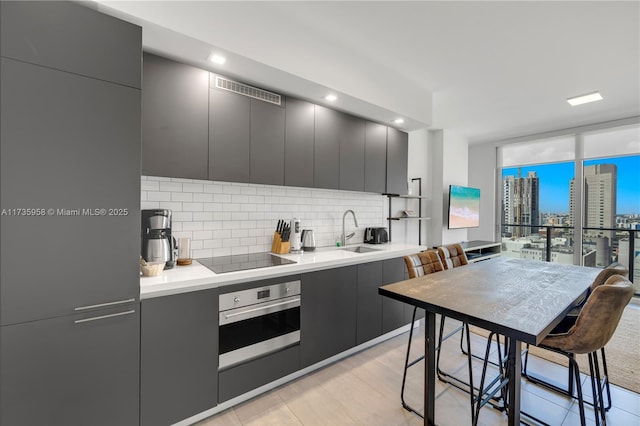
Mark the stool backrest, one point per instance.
(423, 263)
(452, 256)
(598, 319)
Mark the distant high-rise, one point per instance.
(521, 202)
(600, 183)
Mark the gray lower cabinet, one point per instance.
(175, 119)
(69, 146)
(298, 140)
(397, 157)
(352, 149)
(250, 375)
(375, 157)
(179, 356)
(393, 311)
(267, 143)
(327, 314)
(229, 135)
(326, 154)
(369, 308)
(73, 370)
(73, 38)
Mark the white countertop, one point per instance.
(181, 279)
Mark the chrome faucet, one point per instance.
(346, 237)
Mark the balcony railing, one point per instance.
(554, 243)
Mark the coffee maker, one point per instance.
(157, 243)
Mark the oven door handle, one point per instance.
(261, 308)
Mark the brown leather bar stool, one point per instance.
(615, 269)
(418, 265)
(594, 327)
(421, 264)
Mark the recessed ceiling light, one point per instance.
(217, 59)
(399, 120)
(583, 99)
(331, 97)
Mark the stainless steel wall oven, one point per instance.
(258, 321)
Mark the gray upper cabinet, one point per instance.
(68, 143)
(352, 150)
(375, 157)
(326, 159)
(298, 152)
(66, 37)
(267, 143)
(179, 357)
(72, 370)
(397, 158)
(229, 135)
(175, 117)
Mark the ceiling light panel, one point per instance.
(583, 99)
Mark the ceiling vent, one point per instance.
(252, 92)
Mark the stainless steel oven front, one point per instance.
(258, 321)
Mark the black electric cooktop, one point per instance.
(242, 262)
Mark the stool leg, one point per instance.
(406, 365)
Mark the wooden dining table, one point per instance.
(522, 300)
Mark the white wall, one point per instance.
(418, 166)
(225, 218)
(482, 172)
(449, 167)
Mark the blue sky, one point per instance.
(555, 178)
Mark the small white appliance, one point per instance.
(296, 236)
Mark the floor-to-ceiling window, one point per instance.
(589, 182)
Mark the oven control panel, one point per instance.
(258, 295)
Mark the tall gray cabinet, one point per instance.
(69, 196)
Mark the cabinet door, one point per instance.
(68, 145)
(229, 135)
(267, 143)
(375, 157)
(326, 157)
(327, 314)
(351, 153)
(369, 309)
(62, 371)
(175, 119)
(179, 357)
(393, 311)
(70, 37)
(298, 148)
(397, 158)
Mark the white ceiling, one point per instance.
(485, 70)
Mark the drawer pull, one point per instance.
(102, 305)
(104, 316)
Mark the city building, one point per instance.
(521, 200)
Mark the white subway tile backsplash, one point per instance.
(235, 218)
(181, 196)
(193, 187)
(149, 185)
(171, 186)
(158, 196)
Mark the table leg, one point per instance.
(429, 368)
(514, 364)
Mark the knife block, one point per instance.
(278, 246)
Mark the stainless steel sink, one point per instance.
(359, 249)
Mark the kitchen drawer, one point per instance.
(242, 378)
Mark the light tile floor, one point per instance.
(364, 389)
